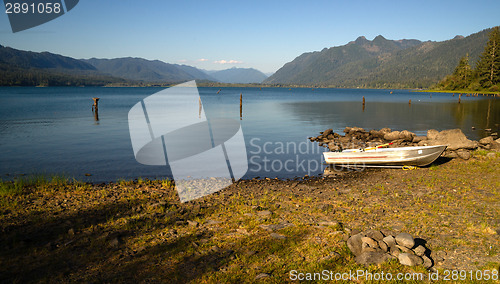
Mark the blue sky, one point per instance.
(258, 34)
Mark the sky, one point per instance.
(215, 35)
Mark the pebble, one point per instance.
(192, 223)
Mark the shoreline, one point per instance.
(139, 230)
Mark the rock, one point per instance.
(367, 258)
(410, 259)
(264, 213)
(354, 243)
(418, 139)
(427, 261)
(450, 154)
(390, 241)
(327, 132)
(404, 249)
(419, 250)
(405, 239)
(383, 246)
(385, 130)
(277, 236)
(495, 146)
(328, 223)
(394, 251)
(193, 223)
(392, 136)
(114, 243)
(377, 134)
(212, 222)
(453, 138)
(71, 232)
(370, 242)
(332, 146)
(275, 227)
(486, 140)
(374, 234)
(491, 155)
(406, 135)
(463, 154)
(432, 134)
(261, 276)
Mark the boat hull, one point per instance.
(404, 156)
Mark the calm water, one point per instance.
(53, 130)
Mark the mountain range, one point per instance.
(26, 68)
(363, 63)
(380, 63)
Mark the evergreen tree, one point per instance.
(488, 66)
(463, 73)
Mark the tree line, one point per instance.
(485, 76)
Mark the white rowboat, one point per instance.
(403, 156)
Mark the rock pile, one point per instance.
(355, 137)
(375, 247)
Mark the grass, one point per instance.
(138, 230)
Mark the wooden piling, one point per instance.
(241, 106)
(199, 107)
(95, 106)
(409, 102)
(363, 100)
(459, 98)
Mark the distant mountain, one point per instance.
(380, 63)
(238, 75)
(147, 70)
(26, 68)
(42, 60)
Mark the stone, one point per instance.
(427, 261)
(367, 258)
(374, 234)
(463, 154)
(491, 155)
(419, 250)
(392, 136)
(404, 249)
(327, 132)
(383, 246)
(418, 139)
(192, 223)
(277, 236)
(389, 240)
(354, 244)
(328, 223)
(394, 251)
(370, 242)
(486, 140)
(432, 134)
(495, 145)
(385, 130)
(71, 232)
(261, 276)
(332, 146)
(405, 239)
(410, 259)
(453, 138)
(406, 135)
(212, 222)
(264, 213)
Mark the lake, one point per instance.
(54, 131)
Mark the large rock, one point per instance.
(454, 138)
(355, 244)
(486, 140)
(406, 135)
(432, 134)
(327, 132)
(392, 136)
